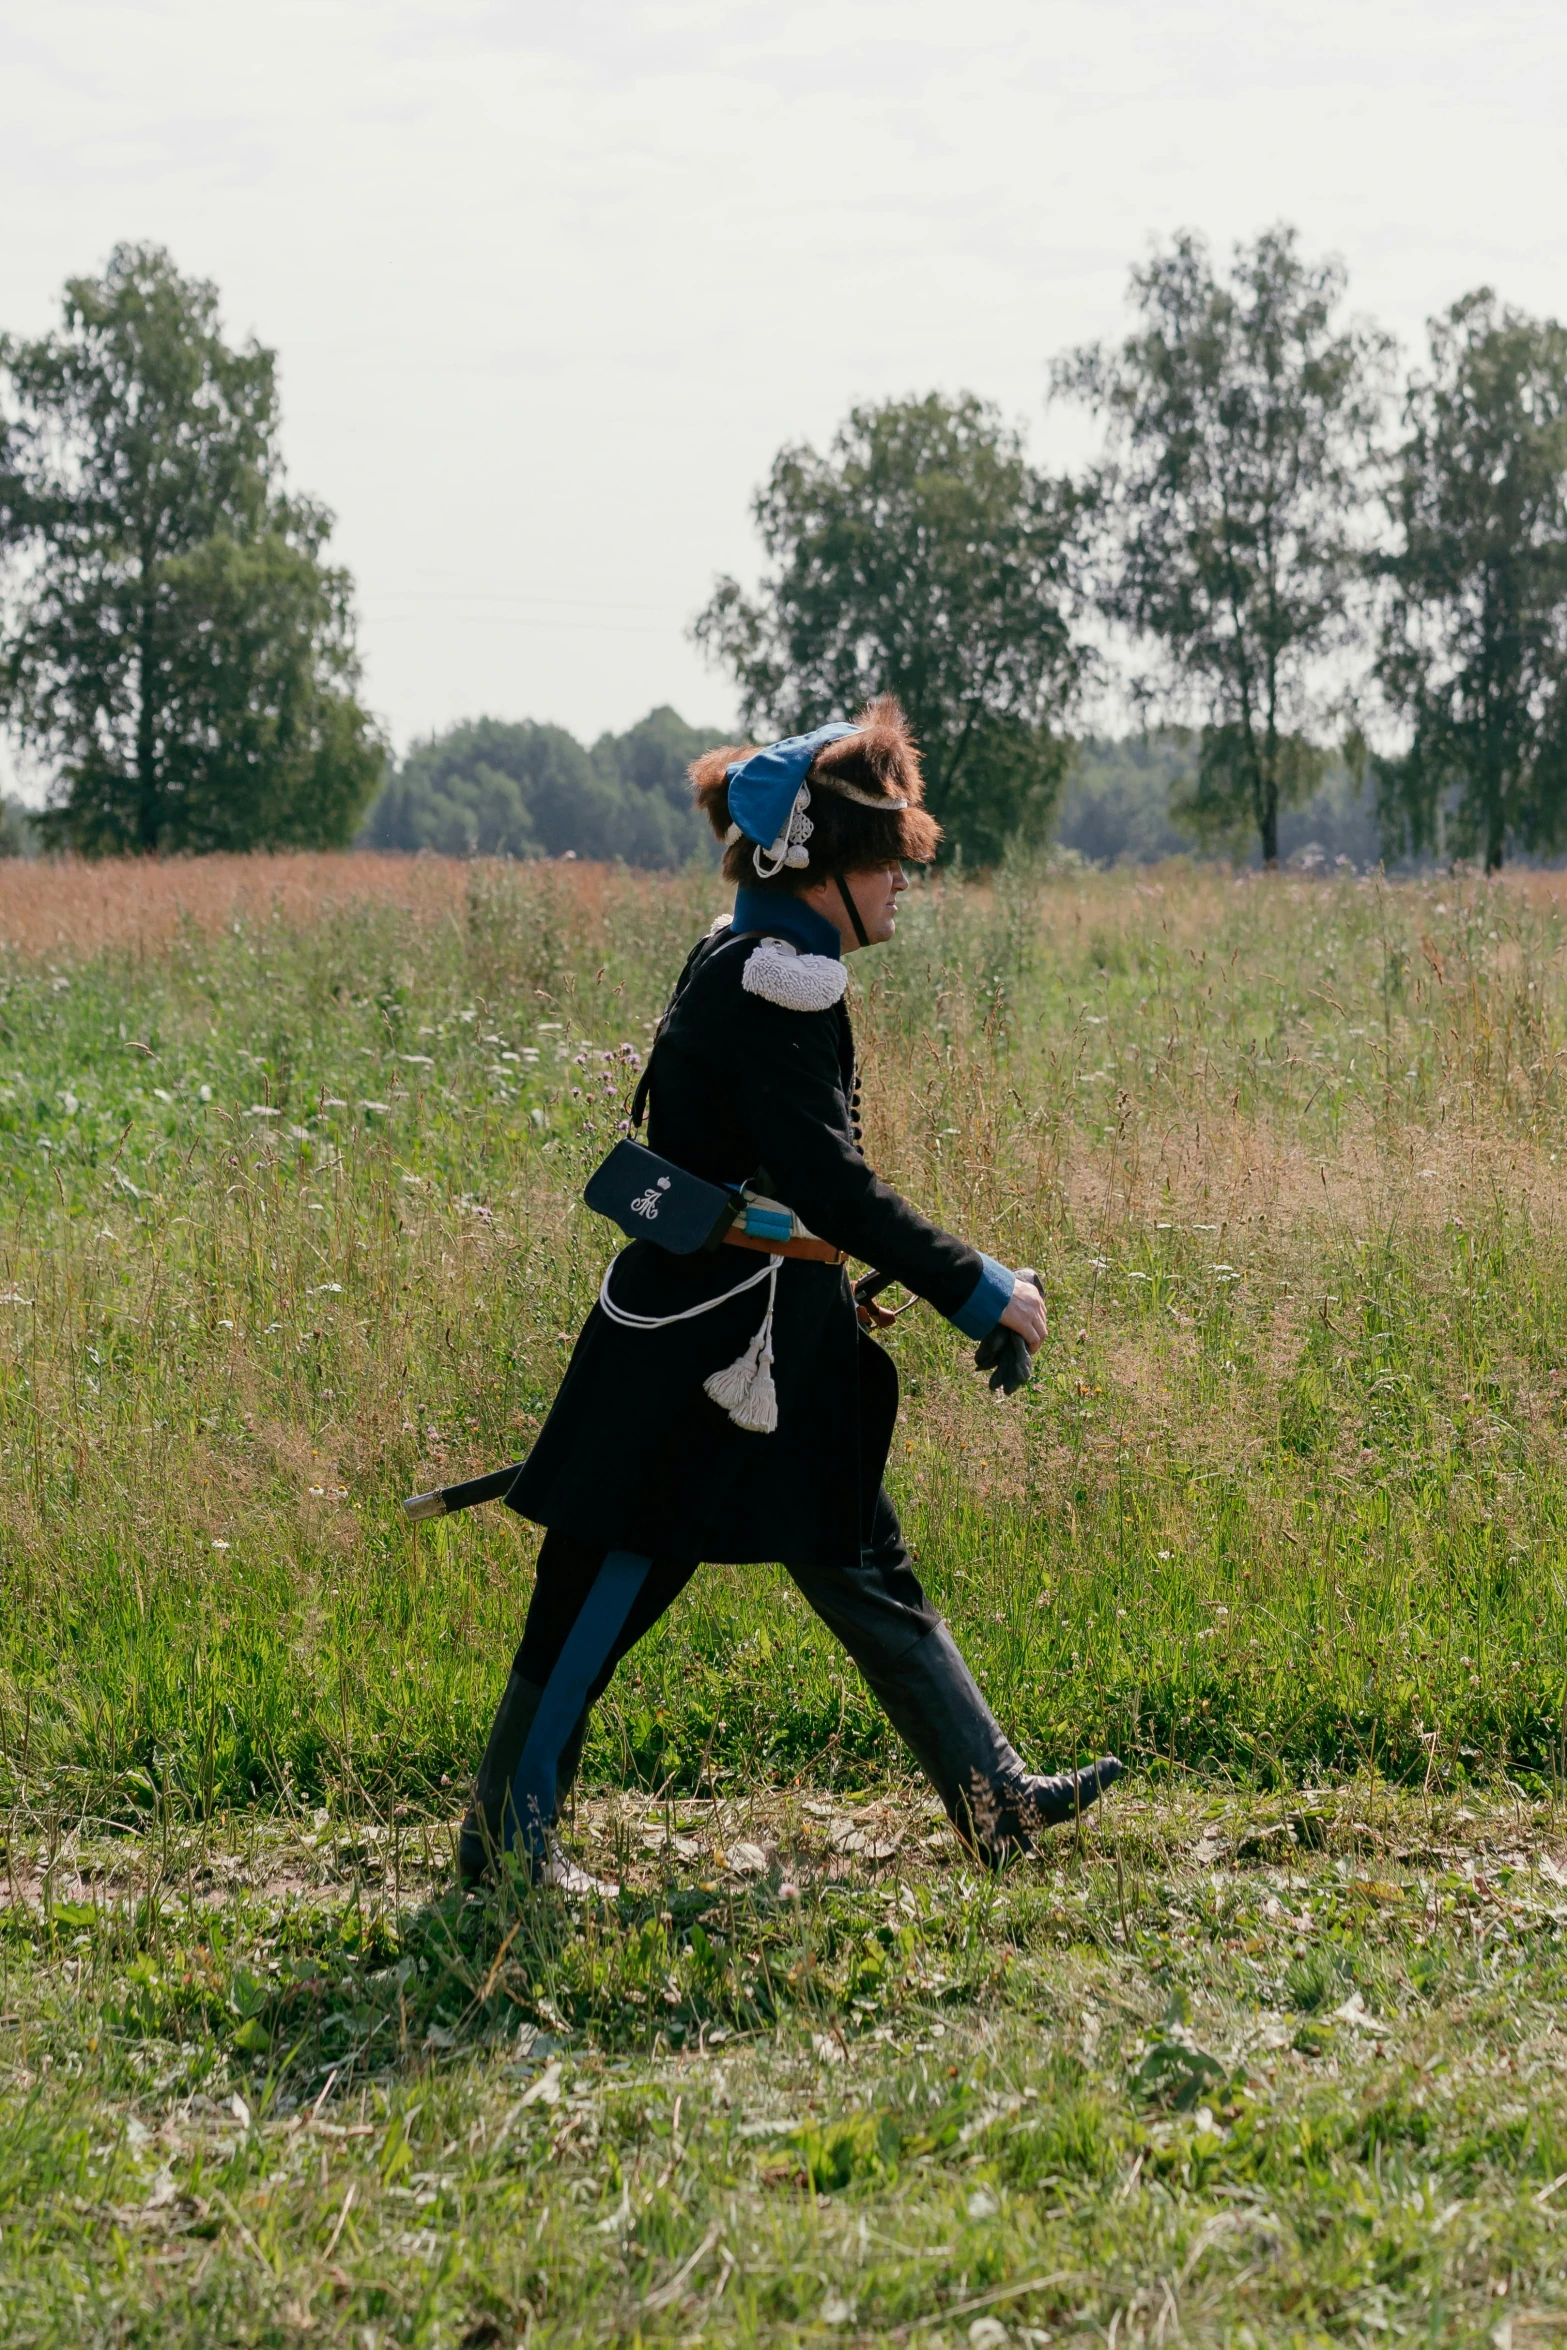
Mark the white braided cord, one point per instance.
(663, 1321)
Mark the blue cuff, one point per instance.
(986, 1302)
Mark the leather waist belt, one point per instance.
(816, 1252)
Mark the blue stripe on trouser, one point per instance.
(581, 1660)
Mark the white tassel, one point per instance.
(745, 1390)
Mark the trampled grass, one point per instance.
(290, 1161)
(1227, 2073)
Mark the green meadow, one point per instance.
(291, 1155)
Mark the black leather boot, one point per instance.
(483, 1836)
(996, 1804)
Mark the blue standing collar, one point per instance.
(777, 913)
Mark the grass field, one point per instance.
(290, 1157)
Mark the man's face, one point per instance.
(876, 893)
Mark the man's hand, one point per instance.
(1008, 1353)
(1026, 1313)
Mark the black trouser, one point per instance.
(875, 1608)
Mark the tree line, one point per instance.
(1295, 554)
(492, 789)
(1311, 564)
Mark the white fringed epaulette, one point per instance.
(780, 974)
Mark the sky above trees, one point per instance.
(551, 286)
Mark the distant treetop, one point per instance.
(174, 647)
(922, 556)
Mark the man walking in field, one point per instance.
(728, 1406)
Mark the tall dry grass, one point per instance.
(292, 1225)
(77, 907)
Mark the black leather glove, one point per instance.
(1004, 1353)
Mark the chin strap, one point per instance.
(847, 895)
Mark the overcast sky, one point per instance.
(551, 284)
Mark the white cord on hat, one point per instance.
(789, 848)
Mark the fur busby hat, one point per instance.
(861, 785)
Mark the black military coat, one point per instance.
(634, 1456)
